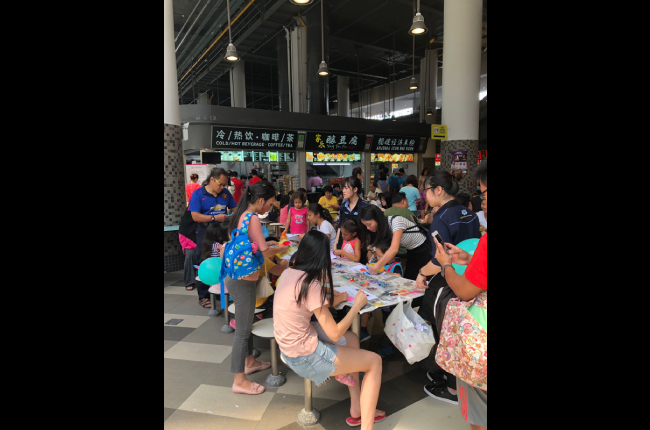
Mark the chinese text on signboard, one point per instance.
(224, 137)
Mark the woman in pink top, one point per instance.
(297, 215)
(298, 296)
(258, 198)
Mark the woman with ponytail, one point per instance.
(320, 217)
(455, 223)
(257, 199)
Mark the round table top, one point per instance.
(263, 328)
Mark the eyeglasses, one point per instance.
(219, 183)
(482, 196)
(430, 188)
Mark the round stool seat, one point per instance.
(231, 309)
(263, 328)
(276, 223)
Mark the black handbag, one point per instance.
(188, 226)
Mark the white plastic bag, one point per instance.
(402, 328)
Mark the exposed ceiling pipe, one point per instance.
(188, 20)
(217, 39)
(190, 29)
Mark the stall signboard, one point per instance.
(327, 157)
(253, 138)
(396, 144)
(335, 142)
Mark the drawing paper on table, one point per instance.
(352, 293)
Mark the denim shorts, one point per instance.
(318, 366)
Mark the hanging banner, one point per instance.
(459, 161)
(335, 142)
(253, 138)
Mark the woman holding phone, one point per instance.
(452, 223)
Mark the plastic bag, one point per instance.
(409, 333)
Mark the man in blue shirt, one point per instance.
(209, 204)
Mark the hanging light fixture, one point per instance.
(301, 2)
(231, 51)
(414, 82)
(322, 68)
(418, 26)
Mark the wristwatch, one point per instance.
(212, 217)
(443, 269)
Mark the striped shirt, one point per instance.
(412, 237)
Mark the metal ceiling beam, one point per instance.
(238, 42)
(354, 74)
(424, 8)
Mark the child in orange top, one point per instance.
(351, 248)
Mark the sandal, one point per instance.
(346, 379)
(255, 389)
(189, 287)
(205, 302)
(354, 422)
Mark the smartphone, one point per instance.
(438, 238)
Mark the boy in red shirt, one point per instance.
(254, 179)
(239, 186)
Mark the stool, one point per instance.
(264, 329)
(308, 416)
(275, 226)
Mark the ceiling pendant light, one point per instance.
(414, 82)
(418, 26)
(322, 68)
(301, 2)
(231, 51)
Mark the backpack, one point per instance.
(238, 260)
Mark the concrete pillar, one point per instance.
(343, 95)
(283, 73)
(238, 85)
(460, 88)
(173, 138)
(299, 69)
(317, 86)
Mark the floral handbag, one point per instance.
(462, 350)
(238, 259)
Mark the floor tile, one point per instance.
(183, 420)
(169, 344)
(223, 377)
(191, 321)
(180, 283)
(427, 414)
(214, 400)
(188, 306)
(173, 300)
(176, 333)
(283, 410)
(198, 352)
(181, 378)
(170, 278)
(332, 389)
(210, 332)
(168, 412)
(181, 291)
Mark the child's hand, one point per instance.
(360, 299)
(373, 270)
(337, 252)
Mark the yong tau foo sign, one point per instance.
(253, 138)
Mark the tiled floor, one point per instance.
(198, 381)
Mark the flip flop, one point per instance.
(265, 365)
(189, 287)
(255, 389)
(346, 380)
(354, 422)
